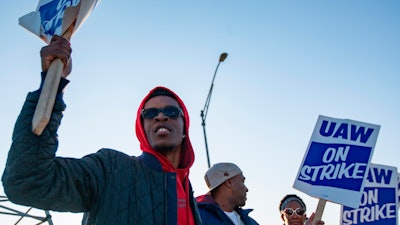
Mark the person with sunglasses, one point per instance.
(293, 211)
(109, 186)
(222, 205)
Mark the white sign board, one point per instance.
(336, 161)
(379, 199)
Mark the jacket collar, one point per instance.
(151, 161)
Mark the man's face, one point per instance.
(239, 190)
(163, 133)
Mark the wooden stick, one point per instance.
(49, 91)
(319, 211)
(47, 97)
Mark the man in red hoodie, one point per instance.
(162, 131)
(109, 186)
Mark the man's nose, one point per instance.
(161, 117)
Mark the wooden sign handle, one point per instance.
(319, 211)
(49, 91)
(47, 97)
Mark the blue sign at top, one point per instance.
(52, 13)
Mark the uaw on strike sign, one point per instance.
(337, 160)
(378, 204)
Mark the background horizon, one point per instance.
(287, 63)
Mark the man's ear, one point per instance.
(228, 183)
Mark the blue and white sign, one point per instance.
(379, 199)
(54, 17)
(337, 159)
(51, 15)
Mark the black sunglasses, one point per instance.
(290, 212)
(172, 112)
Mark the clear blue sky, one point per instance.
(288, 62)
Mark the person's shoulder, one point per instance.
(245, 213)
(113, 159)
(111, 155)
(111, 151)
(116, 153)
(207, 198)
(251, 220)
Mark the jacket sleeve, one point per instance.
(34, 176)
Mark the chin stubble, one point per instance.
(164, 149)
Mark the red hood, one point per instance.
(187, 154)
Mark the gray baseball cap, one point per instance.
(219, 173)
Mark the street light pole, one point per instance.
(203, 112)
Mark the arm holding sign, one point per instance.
(33, 175)
(55, 68)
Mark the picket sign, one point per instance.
(54, 17)
(378, 205)
(336, 162)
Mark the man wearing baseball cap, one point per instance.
(227, 194)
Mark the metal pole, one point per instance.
(203, 123)
(203, 113)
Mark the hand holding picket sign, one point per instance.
(54, 17)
